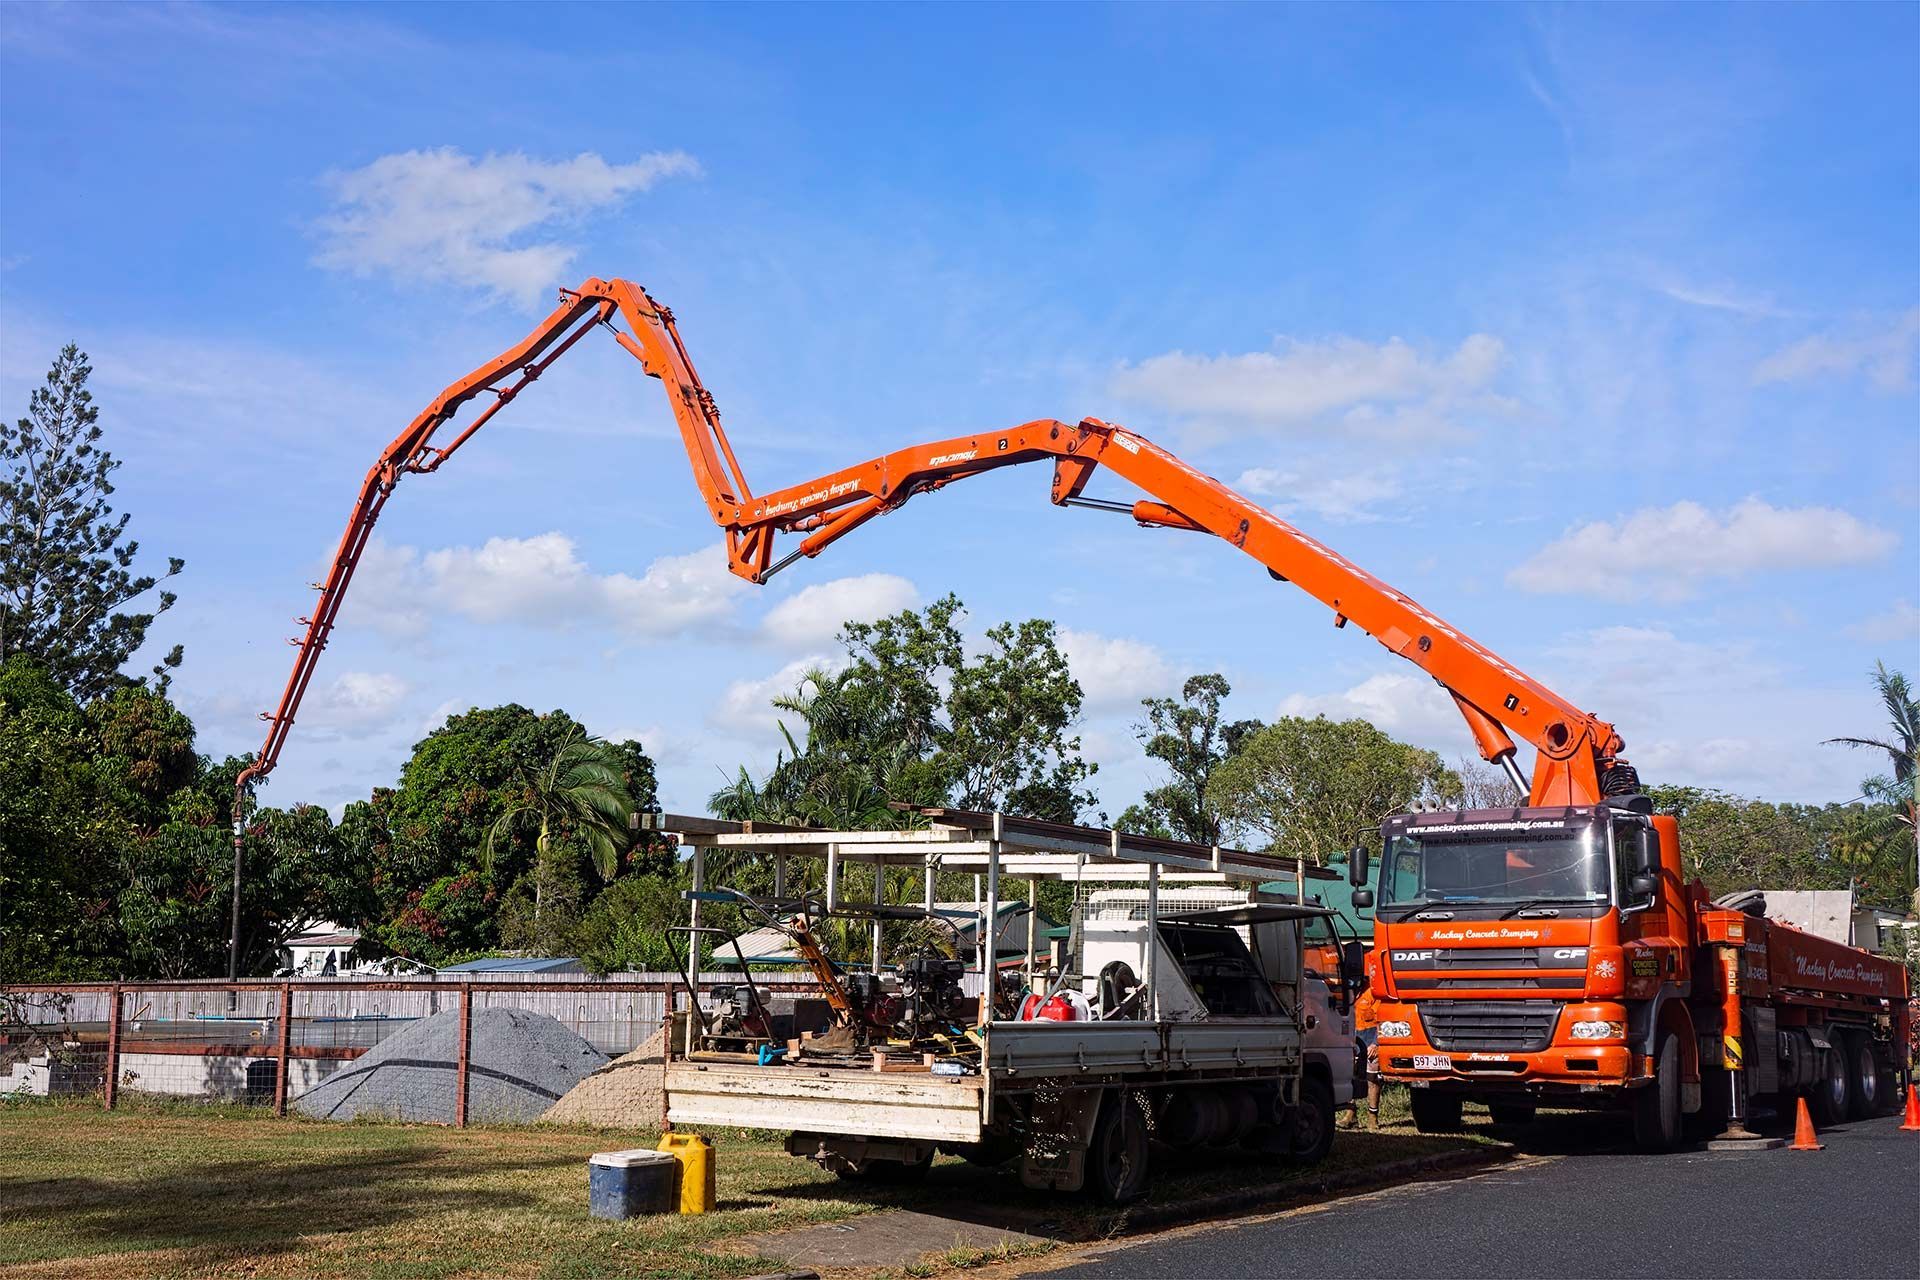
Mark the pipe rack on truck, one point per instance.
(1200, 1036)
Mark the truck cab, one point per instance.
(1527, 954)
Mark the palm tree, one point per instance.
(581, 792)
(1902, 745)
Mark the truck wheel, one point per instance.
(1435, 1112)
(1830, 1098)
(1312, 1135)
(1512, 1111)
(1117, 1158)
(1866, 1096)
(1656, 1106)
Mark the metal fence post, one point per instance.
(280, 1054)
(112, 1081)
(466, 1047)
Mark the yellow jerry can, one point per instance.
(695, 1156)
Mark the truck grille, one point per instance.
(1492, 1026)
(1487, 958)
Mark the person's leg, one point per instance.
(1373, 1082)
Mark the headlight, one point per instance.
(1395, 1030)
(1599, 1030)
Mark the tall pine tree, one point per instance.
(66, 575)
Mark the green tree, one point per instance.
(627, 927)
(577, 800)
(909, 719)
(59, 832)
(1010, 712)
(66, 567)
(1310, 788)
(1187, 736)
(448, 921)
(1900, 786)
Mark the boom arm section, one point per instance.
(1497, 700)
(1576, 751)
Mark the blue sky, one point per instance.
(1593, 329)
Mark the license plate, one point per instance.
(1432, 1062)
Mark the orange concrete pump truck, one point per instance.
(1550, 951)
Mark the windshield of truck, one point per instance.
(1496, 864)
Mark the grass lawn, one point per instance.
(183, 1189)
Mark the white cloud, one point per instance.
(356, 703)
(1667, 552)
(1301, 381)
(814, 615)
(1899, 624)
(1406, 704)
(1338, 494)
(440, 714)
(1885, 357)
(746, 706)
(1642, 663)
(1114, 672)
(666, 748)
(1719, 298)
(540, 582)
(1765, 722)
(442, 216)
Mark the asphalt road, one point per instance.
(1852, 1210)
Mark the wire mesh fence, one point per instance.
(270, 1043)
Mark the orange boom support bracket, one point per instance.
(1576, 751)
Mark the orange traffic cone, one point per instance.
(1912, 1121)
(1803, 1137)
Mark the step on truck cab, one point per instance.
(1556, 956)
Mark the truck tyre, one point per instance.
(1867, 1096)
(1830, 1098)
(1435, 1112)
(1656, 1106)
(1512, 1110)
(1117, 1157)
(1313, 1119)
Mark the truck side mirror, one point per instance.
(1646, 850)
(1646, 862)
(1357, 866)
(1353, 965)
(1363, 899)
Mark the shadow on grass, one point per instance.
(249, 1206)
(994, 1196)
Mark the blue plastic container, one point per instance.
(632, 1184)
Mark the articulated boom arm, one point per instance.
(1576, 751)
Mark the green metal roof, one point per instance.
(1334, 894)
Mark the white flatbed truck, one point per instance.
(1207, 1046)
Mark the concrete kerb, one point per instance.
(1200, 1207)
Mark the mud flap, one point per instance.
(1062, 1128)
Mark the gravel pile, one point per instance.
(624, 1094)
(519, 1064)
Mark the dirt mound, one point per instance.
(519, 1064)
(624, 1094)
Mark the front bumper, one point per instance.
(1562, 1065)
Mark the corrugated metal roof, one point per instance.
(519, 964)
(325, 940)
